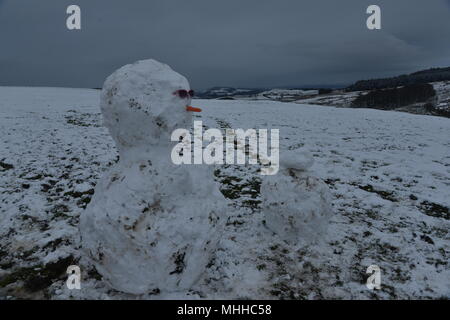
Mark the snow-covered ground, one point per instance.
(389, 174)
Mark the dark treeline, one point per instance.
(425, 76)
(388, 99)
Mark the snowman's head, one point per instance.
(144, 102)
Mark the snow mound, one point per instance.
(148, 227)
(296, 205)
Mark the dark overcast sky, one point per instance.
(247, 43)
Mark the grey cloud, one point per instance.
(237, 43)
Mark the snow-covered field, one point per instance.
(389, 174)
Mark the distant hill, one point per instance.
(220, 92)
(420, 77)
(227, 92)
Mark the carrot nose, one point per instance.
(193, 109)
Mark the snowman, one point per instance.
(151, 224)
(296, 205)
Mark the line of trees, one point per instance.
(420, 77)
(388, 99)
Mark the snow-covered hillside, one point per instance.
(223, 92)
(443, 92)
(336, 98)
(286, 95)
(341, 98)
(389, 173)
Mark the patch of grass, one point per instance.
(6, 265)
(3, 253)
(35, 177)
(83, 202)
(59, 210)
(82, 120)
(235, 222)
(426, 239)
(28, 253)
(372, 214)
(252, 204)
(233, 187)
(434, 210)
(332, 182)
(180, 264)
(223, 124)
(261, 267)
(5, 166)
(93, 273)
(78, 194)
(56, 243)
(383, 194)
(38, 277)
(46, 187)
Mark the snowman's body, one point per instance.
(296, 205)
(151, 224)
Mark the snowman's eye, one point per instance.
(183, 94)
